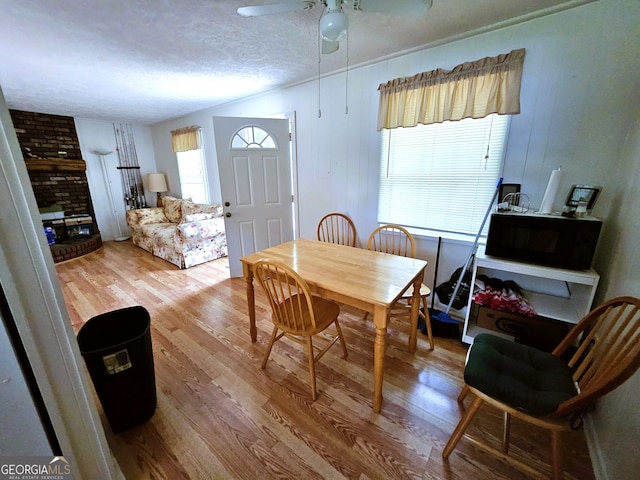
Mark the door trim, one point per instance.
(32, 290)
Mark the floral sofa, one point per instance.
(181, 232)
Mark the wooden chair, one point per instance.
(551, 390)
(297, 314)
(397, 240)
(337, 228)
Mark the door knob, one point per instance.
(228, 214)
(227, 204)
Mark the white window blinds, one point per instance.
(193, 176)
(441, 176)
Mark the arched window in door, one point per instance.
(253, 137)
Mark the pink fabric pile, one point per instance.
(503, 296)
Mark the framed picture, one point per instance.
(583, 193)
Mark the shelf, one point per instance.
(554, 293)
(557, 308)
(584, 277)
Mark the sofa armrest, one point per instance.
(200, 230)
(193, 212)
(132, 218)
(145, 216)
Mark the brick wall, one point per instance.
(44, 135)
(55, 177)
(68, 189)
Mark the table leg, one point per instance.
(251, 301)
(380, 318)
(415, 306)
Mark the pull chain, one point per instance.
(486, 157)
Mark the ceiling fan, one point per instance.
(334, 22)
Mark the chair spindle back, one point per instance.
(289, 296)
(392, 239)
(337, 228)
(608, 350)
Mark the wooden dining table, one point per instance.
(370, 281)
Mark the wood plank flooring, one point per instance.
(220, 416)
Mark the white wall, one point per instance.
(340, 152)
(579, 97)
(617, 418)
(99, 135)
(579, 74)
(166, 159)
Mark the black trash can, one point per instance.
(116, 347)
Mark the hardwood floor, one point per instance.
(220, 416)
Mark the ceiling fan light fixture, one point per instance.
(333, 25)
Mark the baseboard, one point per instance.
(595, 452)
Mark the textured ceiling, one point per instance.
(145, 61)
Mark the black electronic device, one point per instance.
(549, 240)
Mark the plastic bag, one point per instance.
(445, 290)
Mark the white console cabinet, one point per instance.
(555, 293)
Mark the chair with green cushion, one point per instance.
(550, 390)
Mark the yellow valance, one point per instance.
(187, 138)
(469, 90)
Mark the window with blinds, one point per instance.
(442, 176)
(193, 175)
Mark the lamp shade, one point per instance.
(156, 182)
(333, 25)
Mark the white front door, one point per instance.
(255, 181)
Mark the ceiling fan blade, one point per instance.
(329, 46)
(397, 7)
(275, 8)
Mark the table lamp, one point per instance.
(156, 182)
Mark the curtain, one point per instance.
(184, 139)
(469, 90)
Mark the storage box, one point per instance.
(540, 332)
(51, 215)
(79, 226)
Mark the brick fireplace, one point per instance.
(51, 150)
(62, 182)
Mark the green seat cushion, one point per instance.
(523, 377)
